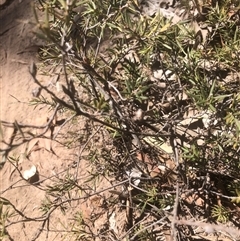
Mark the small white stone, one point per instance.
(138, 115)
(209, 229)
(58, 87)
(158, 74)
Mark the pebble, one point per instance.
(36, 91)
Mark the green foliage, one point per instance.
(112, 51)
(127, 73)
(46, 205)
(220, 213)
(5, 214)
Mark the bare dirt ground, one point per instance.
(18, 48)
(17, 51)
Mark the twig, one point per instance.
(175, 207)
(221, 195)
(132, 228)
(175, 211)
(42, 218)
(7, 202)
(33, 72)
(19, 101)
(60, 127)
(147, 227)
(210, 228)
(117, 91)
(7, 150)
(39, 231)
(129, 208)
(17, 125)
(92, 72)
(82, 149)
(9, 124)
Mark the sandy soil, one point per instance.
(18, 47)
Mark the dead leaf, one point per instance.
(112, 222)
(31, 145)
(159, 144)
(134, 173)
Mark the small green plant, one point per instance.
(220, 213)
(6, 213)
(46, 205)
